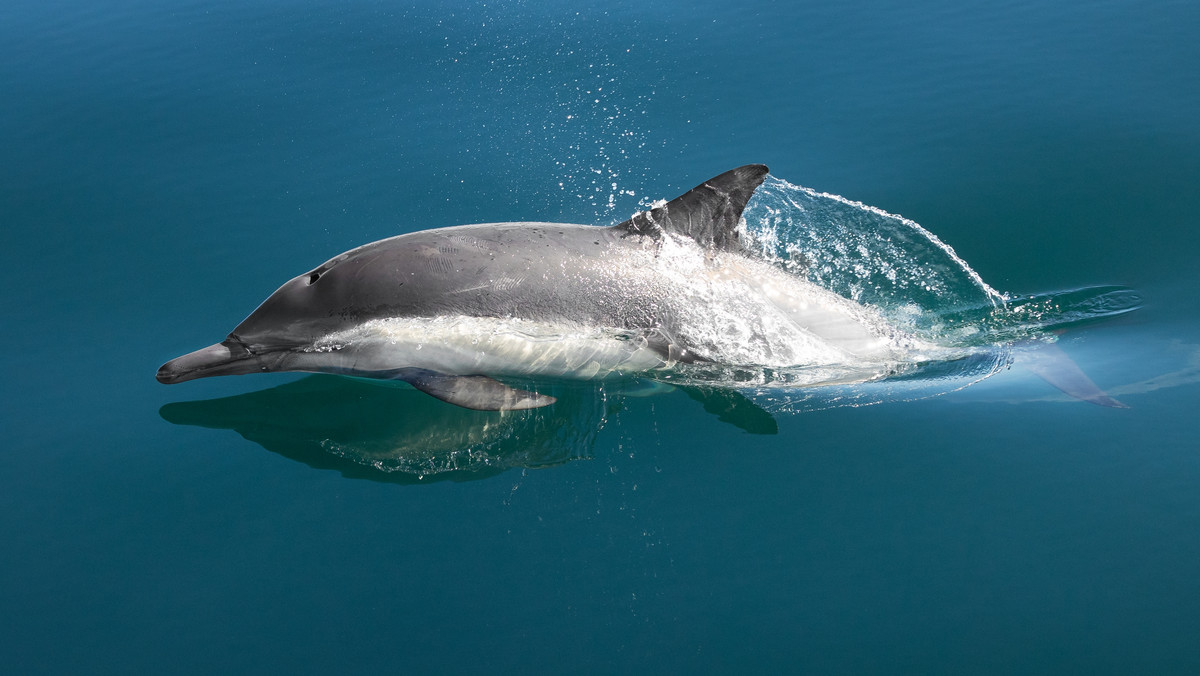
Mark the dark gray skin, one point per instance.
(537, 271)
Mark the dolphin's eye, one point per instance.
(313, 277)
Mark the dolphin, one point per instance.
(449, 310)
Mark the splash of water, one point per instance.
(891, 263)
(861, 252)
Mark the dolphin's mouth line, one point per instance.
(249, 354)
(257, 356)
(235, 339)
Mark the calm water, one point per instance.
(166, 165)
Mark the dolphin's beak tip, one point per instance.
(166, 375)
(172, 372)
(212, 360)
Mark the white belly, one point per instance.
(482, 345)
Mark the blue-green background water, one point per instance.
(166, 165)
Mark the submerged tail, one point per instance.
(1050, 363)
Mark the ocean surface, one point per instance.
(164, 166)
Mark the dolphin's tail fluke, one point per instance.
(1049, 362)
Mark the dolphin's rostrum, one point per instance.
(448, 309)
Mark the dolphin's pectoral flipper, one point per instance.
(708, 213)
(480, 393)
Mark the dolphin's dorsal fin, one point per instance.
(708, 213)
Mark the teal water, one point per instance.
(165, 166)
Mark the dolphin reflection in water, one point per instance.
(352, 426)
